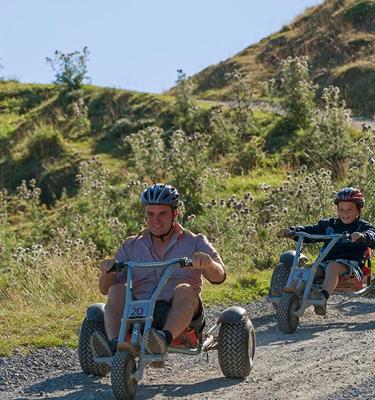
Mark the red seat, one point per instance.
(188, 339)
(352, 284)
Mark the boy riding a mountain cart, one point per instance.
(154, 307)
(343, 262)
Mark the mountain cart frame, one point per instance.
(232, 335)
(293, 285)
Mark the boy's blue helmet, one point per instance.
(160, 193)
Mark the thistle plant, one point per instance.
(185, 109)
(28, 198)
(241, 95)
(329, 143)
(186, 162)
(147, 153)
(296, 90)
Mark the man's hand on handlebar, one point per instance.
(201, 261)
(106, 265)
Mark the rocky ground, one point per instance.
(330, 358)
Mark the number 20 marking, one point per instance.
(137, 311)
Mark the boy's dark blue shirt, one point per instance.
(343, 249)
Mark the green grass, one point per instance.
(26, 328)
(243, 288)
(252, 181)
(8, 122)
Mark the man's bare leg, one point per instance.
(185, 304)
(114, 310)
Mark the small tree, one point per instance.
(70, 68)
(330, 143)
(296, 90)
(241, 112)
(184, 108)
(186, 162)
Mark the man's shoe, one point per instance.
(155, 342)
(321, 309)
(100, 345)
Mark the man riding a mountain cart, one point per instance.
(342, 266)
(154, 306)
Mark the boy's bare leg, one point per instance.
(333, 271)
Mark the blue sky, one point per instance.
(134, 44)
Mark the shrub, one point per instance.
(250, 156)
(241, 106)
(70, 68)
(223, 138)
(186, 162)
(45, 144)
(147, 153)
(296, 89)
(185, 110)
(329, 143)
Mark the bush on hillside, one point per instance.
(241, 114)
(45, 144)
(70, 68)
(185, 112)
(147, 153)
(329, 144)
(223, 139)
(361, 14)
(296, 90)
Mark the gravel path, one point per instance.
(328, 358)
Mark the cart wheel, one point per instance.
(236, 348)
(124, 384)
(88, 365)
(279, 280)
(286, 320)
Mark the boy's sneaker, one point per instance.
(155, 342)
(100, 345)
(321, 309)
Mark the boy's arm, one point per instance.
(369, 235)
(317, 229)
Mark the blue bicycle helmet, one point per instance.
(160, 193)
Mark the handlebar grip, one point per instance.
(117, 266)
(185, 262)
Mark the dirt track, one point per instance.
(327, 358)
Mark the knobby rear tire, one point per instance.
(88, 365)
(279, 280)
(236, 348)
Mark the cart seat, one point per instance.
(353, 284)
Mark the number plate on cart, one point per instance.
(138, 310)
(301, 274)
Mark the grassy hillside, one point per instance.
(45, 132)
(338, 37)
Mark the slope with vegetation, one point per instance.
(338, 37)
(74, 159)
